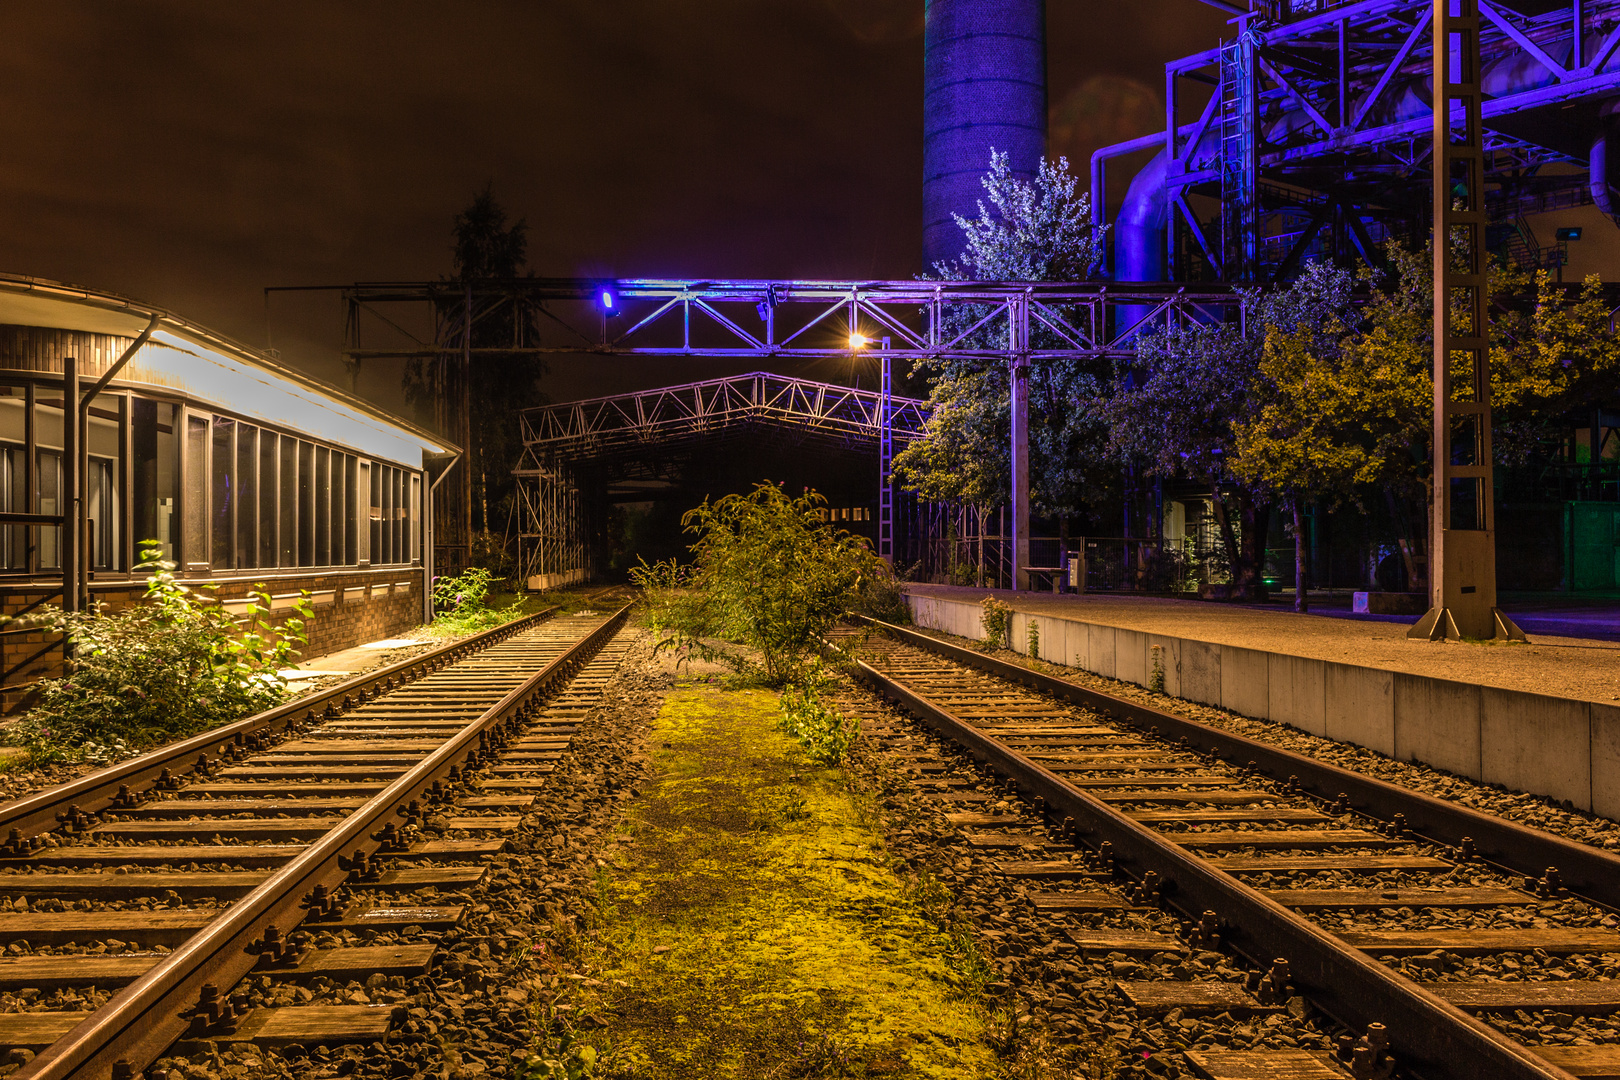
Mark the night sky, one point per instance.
(190, 154)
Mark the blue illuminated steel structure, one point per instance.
(806, 321)
(1340, 97)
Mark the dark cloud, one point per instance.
(191, 153)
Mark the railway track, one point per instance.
(1505, 935)
(149, 890)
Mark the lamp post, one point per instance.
(857, 342)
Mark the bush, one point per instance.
(768, 575)
(880, 597)
(824, 731)
(461, 603)
(996, 618)
(176, 664)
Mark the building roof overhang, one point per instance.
(200, 365)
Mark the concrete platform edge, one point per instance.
(1562, 748)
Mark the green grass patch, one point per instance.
(755, 929)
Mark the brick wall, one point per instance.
(351, 608)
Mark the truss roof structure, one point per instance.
(673, 418)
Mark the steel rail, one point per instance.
(1589, 871)
(1429, 1036)
(144, 1019)
(98, 791)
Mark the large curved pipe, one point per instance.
(1139, 234)
(1140, 237)
(984, 87)
(1603, 168)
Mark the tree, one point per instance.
(1038, 230)
(1345, 414)
(1293, 438)
(487, 251)
(1179, 411)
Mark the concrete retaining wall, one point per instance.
(1560, 747)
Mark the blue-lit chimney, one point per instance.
(984, 86)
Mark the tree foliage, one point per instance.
(768, 574)
(171, 666)
(1038, 230)
(1194, 392)
(1320, 396)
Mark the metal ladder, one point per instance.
(1239, 164)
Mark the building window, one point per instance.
(50, 502)
(152, 440)
(269, 490)
(306, 504)
(103, 514)
(288, 479)
(194, 544)
(247, 495)
(393, 516)
(14, 539)
(323, 506)
(224, 488)
(210, 491)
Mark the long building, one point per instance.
(242, 470)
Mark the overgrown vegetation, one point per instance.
(996, 618)
(173, 665)
(825, 733)
(768, 575)
(461, 603)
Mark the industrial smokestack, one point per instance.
(984, 86)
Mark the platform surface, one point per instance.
(1573, 667)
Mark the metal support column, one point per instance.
(68, 546)
(886, 460)
(1018, 379)
(1462, 561)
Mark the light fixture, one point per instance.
(859, 341)
(608, 299)
(1566, 235)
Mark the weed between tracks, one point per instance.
(754, 929)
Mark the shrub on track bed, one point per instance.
(768, 575)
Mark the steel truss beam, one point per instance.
(635, 426)
(631, 423)
(795, 320)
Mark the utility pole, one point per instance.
(1462, 559)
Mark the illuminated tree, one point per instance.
(1193, 388)
(1038, 230)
